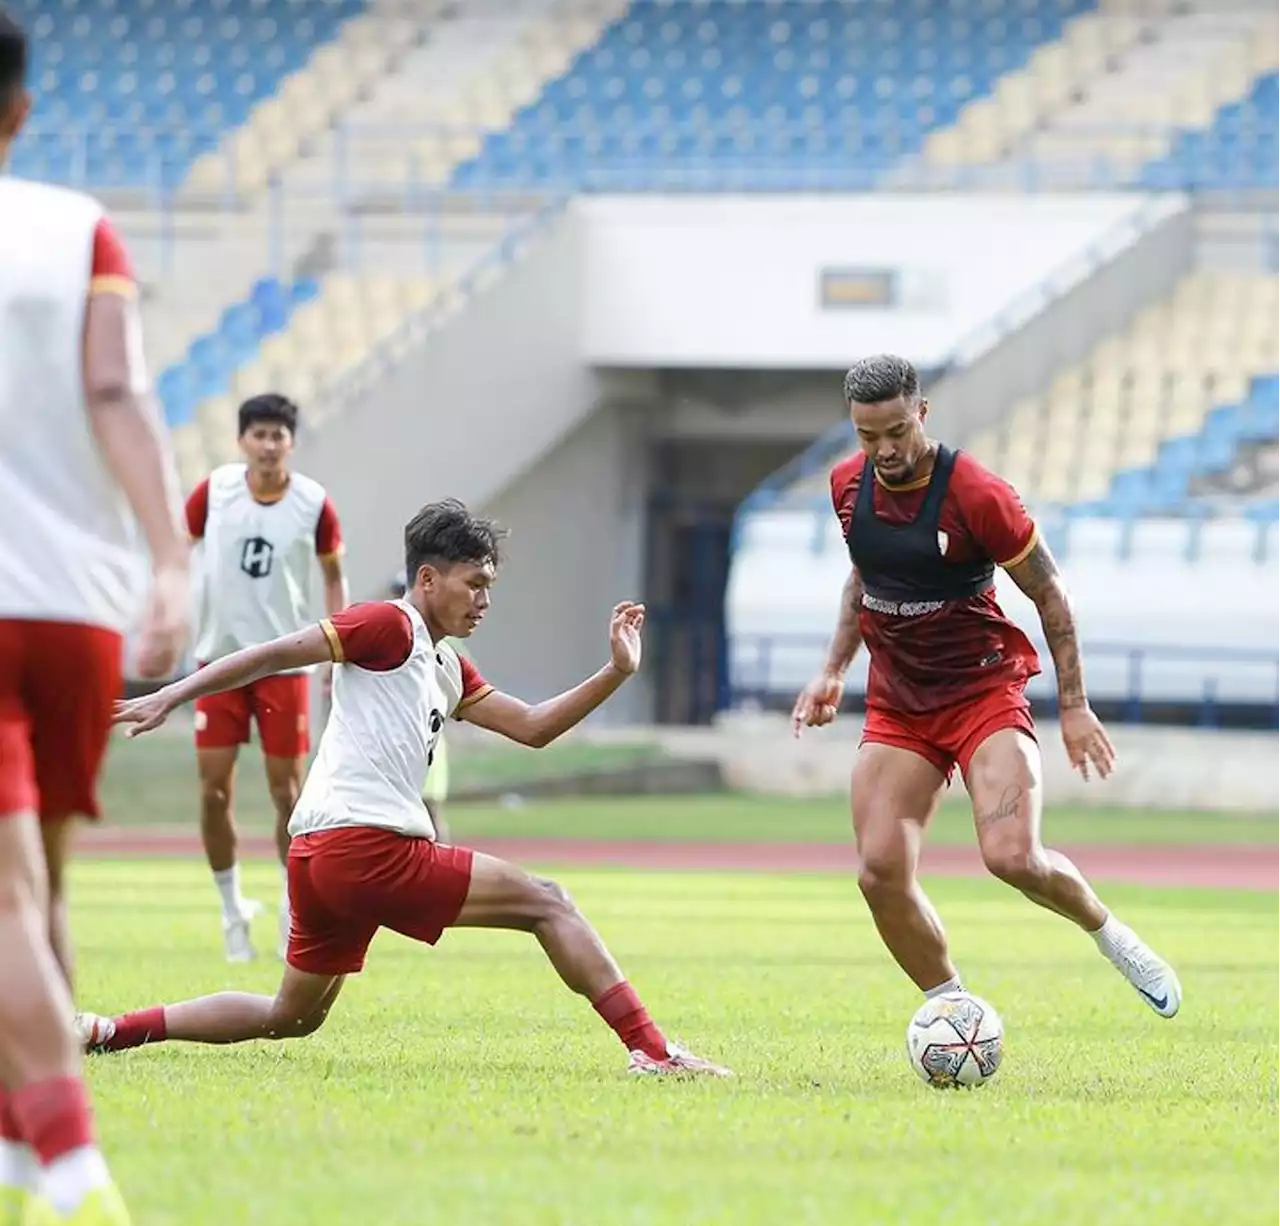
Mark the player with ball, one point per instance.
(925, 528)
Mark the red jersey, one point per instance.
(928, 653)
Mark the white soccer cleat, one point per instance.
(235, 934)
(678, 1063)
(1151, 976)
(93, 1031)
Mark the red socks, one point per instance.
(53, 1116)
(137, 1029)
(623, 1010)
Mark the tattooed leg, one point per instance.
(1004, 785)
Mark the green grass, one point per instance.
(465, 1085)
(151, 782)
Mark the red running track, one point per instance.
(1225, 866)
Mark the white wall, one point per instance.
(733, 281)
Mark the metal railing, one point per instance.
(1208, 681)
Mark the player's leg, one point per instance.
(893, 794)
(74, 679)
(501, 895)
(281, 706)
(284, 781)
(71, 675)
(222, 726)
(298, 1008)
(55, 835)
(1003, 773)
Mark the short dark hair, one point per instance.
(13, 56)
(269, 407)
(444, 533)
(882, 377)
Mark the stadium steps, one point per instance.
(1199, 348)
(472, 78)
(282, 128)
(1112, 92)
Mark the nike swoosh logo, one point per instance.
(1160, 1002)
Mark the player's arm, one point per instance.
(132, 441)
(819, 701)
(1000, 523)
(848, 636)
(329, 550)
(240, 668)
(1038, 577)
(541, 723)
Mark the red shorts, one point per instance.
(58, 681)
(281, 706)
(345, 884)
(949, 736)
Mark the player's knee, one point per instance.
(284, 796)
(882, 871)
(1014, 861)
(290, 1024)
(215, 798)
(553, 899)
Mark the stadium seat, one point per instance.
(827, 93)
(175, 81)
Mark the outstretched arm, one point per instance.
(1041, 582)
(309, 646)
(541, 723)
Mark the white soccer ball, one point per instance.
(955, 1040)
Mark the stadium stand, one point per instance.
(130, 93)
(1120, 90)
(760, 96)
(1125, 431)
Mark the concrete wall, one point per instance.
(1171, 768)
(471, 408)
(1062, 331)
(576, 549)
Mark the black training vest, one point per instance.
(904, 563)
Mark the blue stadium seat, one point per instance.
(829, 93)
(214, 357)
(1238, 152)
(130, 92)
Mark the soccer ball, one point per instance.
(955, 1040)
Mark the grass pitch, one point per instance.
(465, 1085)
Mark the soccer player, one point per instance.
(925, 527)
(435, 788)
(261, 529)
(363, 856)
(85, 472)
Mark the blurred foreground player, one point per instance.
(926, 527)
(435, 789)
(261, 529)
(362, 855)
(83, 466)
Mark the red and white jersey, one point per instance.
(393, 688)
(70, 548)
(257, 560)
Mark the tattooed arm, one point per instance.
(1041, 581)
(820, 699)
(1083, 734)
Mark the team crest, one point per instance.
(943, 541)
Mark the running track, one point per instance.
(1225, 866)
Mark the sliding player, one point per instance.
(363, 855)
